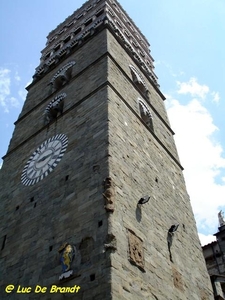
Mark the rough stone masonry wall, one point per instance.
(143, 267)
(68, 204)
(39, 219)
(121, 59)
(86, 77)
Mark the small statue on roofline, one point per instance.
(221, 218)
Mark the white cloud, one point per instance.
(201, 155)
(8, 101)
(13, 102)
(206, 239)
(193, 87)
(216, 97)
(17, 77)
(4, 88)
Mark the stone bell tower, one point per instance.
(93, 199)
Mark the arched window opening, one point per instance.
(67, 39)
(54, 108)
(138, 80)
(146, 114)
(58, 47)
(62, 76)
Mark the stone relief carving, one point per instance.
(67, 254)
(109, 195)
(170, 236)
(136, 251)
(110, 242)
(177, 280)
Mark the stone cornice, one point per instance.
(83, 23)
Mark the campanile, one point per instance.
(93, 199)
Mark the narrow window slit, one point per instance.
(4, 241)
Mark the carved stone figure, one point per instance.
(177, 280)
(136, 251)
(221, 218)
(170, 236)
(110, 241)
(67, 253)
(109, 195)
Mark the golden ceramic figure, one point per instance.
(67, 253)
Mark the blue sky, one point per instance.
(187, 43)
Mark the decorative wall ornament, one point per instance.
(44, 159)
(137, 78)
(67, 254)
(54, 107)
(170, 236)
(136, 251)
(110, 242)
(177, 280)
(145, 114)
(63, 75)
(109, 195)
(144, 200)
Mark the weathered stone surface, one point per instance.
(107, 139)
(136, 251)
